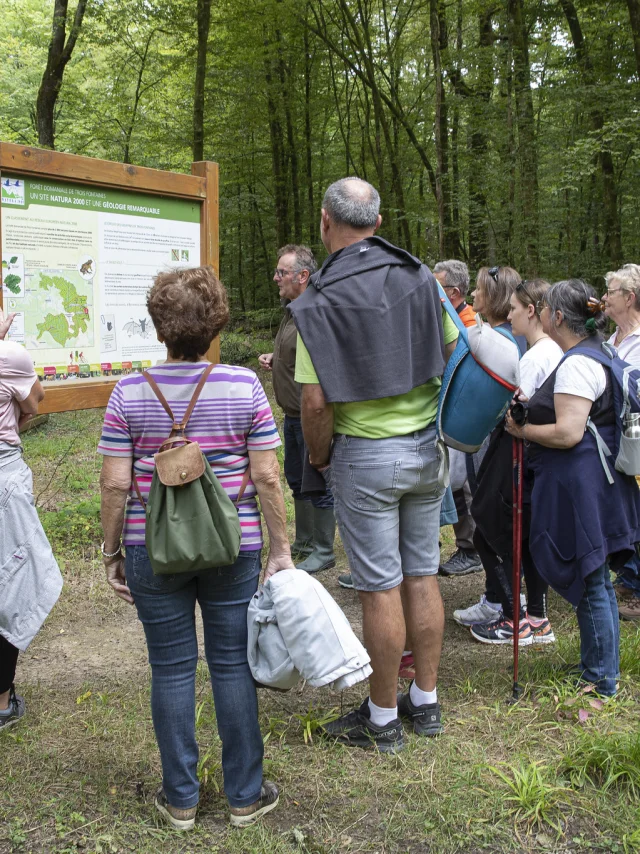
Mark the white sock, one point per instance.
(422, 698)
(381, 716)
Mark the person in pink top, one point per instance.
(233, 424)
(30, 581)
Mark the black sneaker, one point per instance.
(426, 718)
(346, 581)
(355, 729)
(15, 711)
(461, 562)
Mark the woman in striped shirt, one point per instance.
(234, 426)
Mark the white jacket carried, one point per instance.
(297, 630)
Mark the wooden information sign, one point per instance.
(81, 240)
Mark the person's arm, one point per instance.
(317, 424)
(571, 421)
(265, 473)
(448, 349)
(5, 323)
(29, 406)
(115, 481)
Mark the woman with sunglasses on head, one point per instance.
(538, 362)
(581, 523)
(491, 298)
(622, 299)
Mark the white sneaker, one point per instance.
(482, 613)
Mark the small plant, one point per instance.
(207, 767)
(605, 760)
(534, 798)
(312, 720)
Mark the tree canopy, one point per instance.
(496, 131)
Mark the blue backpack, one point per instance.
(479, 381)
(625, 383)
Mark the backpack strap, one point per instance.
(453, 314)
(181, 427)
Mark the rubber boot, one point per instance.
(303, 543)
(324, 532)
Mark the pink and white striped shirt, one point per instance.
(232, 417)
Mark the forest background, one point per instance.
(497, 131)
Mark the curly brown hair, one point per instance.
(188, 309)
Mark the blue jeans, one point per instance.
(294, 460)
(166, 607)
(599, 624)
(629, 575)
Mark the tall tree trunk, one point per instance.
(128, 130)
(204, 22)
(612, 242)
(312, 213)
(448, 245)
(527, 145)
(479, 143)
(634, 16)
(277, 157)
(57, 58)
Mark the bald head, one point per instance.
(352, 202)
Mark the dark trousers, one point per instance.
(8, 662)
(499, 578)
(294, 461)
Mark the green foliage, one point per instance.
(236, 349)
(74, 527)
(312, 719)
(605, 759)
(534, 797)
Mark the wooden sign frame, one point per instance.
(201, 186)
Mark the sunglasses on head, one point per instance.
(493, 272)
(522, 286)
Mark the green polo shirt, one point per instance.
(387, 416)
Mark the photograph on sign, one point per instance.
(77, 262)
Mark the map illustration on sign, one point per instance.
(58, 310)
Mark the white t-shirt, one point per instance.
(537, 363)
(582, 377)
(629, 349)
(17, 377)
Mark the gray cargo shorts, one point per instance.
(387, 496)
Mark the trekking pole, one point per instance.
(517, 459)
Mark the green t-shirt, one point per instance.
(387, 416)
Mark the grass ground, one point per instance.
(554, 773)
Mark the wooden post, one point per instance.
(209, 229)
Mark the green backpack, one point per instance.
(191, 523)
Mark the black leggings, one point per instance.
(8, 661)
(499, 579)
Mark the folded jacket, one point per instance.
(297, 630)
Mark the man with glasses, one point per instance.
(315, 522)
(454, 277)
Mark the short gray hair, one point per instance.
(629, 278)
(571, 297)
(352, 202)
(456, 274)
(305, 259)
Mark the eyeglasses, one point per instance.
(521, 286)
(280, 274)
(613, 291)
(493, 272)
